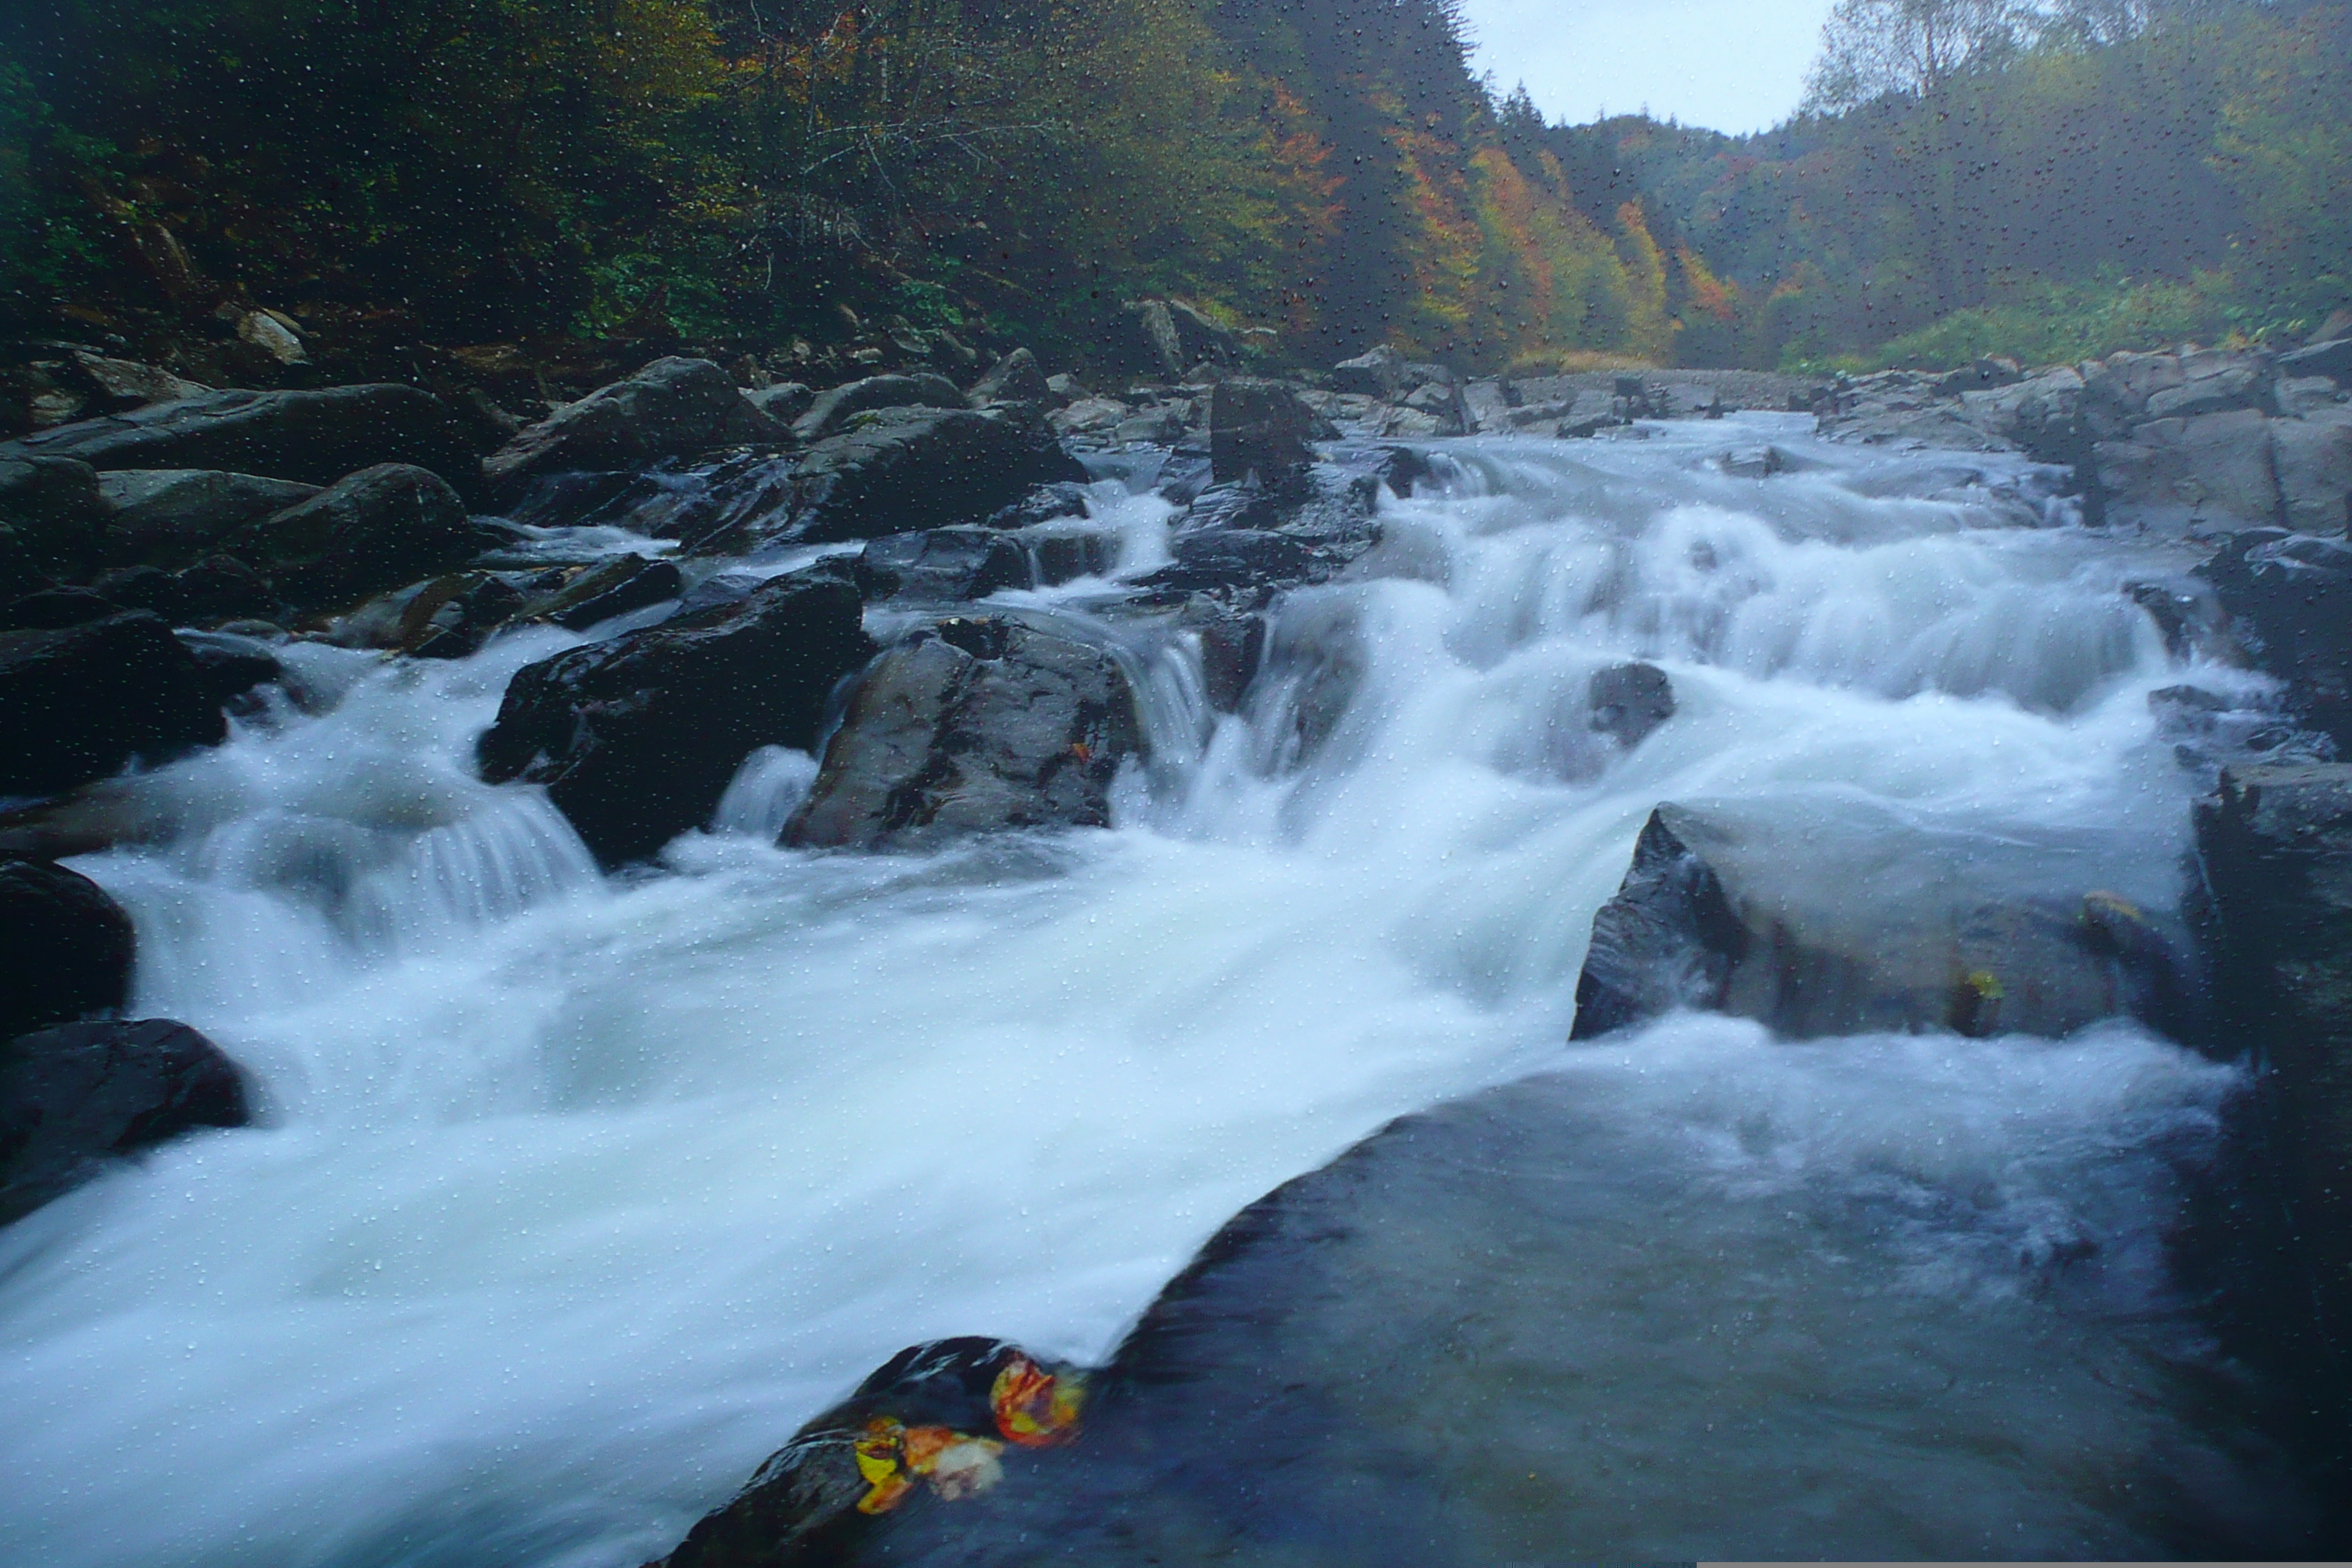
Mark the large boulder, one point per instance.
(636, 738)
(77, 1096)
(68, 945)
(2276, 847)
(972, 726)
(902, 470)
(1168, 338)
(77, 703)
(1015, 378)
(380, 527)
(1378, 374)
(2213, 468)
(1260, 428)
(830, 413)
(674, 408)
(2213, 381)
(315, 437)
(2116, 390)
(2332, 359)
(943, 565)
(52, 519)
(174, 517)
(938, 1422)
(2313, 459)
(1835, 919)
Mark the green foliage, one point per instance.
(2057, 323)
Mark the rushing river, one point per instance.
(571, 1196)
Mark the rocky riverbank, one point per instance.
(819, 584)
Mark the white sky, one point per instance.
(1732, 65)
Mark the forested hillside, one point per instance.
(743, 169)
(2061, 179)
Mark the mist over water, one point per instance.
(573, 1195)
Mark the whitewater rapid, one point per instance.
(570, 1195)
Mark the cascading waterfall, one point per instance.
(573, 1195)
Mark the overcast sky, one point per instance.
(1733, 65)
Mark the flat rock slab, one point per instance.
(1833, 917)
(315, 437)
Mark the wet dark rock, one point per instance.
(832, 411)
(1260, 428)
(171, 517)
(674, 408)
(77, 703)
(1231, 558)
(1630, 700)
(382, 526)
(973, 726)
(2275, 844)
(141, 588)
(942, 565)
(52, 519)
(1059, 555)
(54, 608)
(935, 1415)
(315, 437)
(222, 588)
(118, 385)
(2289, 597)
(610, 588)
(1233, 649)
(718, 589)
(76, 1096)
(636, 738)
(231, 665)
(784, 402)
(1015, 378)
(453, 616)
(906, 470)
(1063, 499)
(2186, 609)
(70, 947)
(1833, 919)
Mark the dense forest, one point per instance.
(2063, 180)
(742, 172)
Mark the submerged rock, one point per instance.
(77, 1095)
(315, 437)
(938, 1423)
(68, 947)
(972, 726)
(1835, 919)
(636, 738)
(76, 704)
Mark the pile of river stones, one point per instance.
(153, 561)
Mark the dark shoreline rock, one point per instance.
(70, 947)
(312, 438)
(76, 704)
(76, 1096)
(636, 738)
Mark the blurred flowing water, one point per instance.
(571, 1196)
